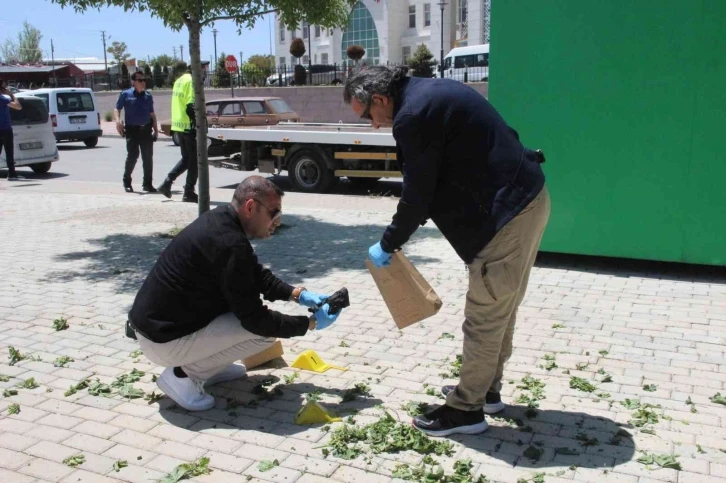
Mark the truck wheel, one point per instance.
(175, 138)
(309, 174)
(40, 168)
(91, 142)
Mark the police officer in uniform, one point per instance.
(138, 105)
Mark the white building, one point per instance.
(390, 31)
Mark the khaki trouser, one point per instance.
(498, 279)
(207, 351)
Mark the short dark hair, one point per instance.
(376, 79)
(255, 187)
(135, 75)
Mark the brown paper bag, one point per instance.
(407, 294)
(272, 352)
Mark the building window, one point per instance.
(406, 54)
(463, 12)
(427, 15)
(324, 59)
(282, 61)
(305, 29)
(282, 32)
(317, 31)
(361, 30)
(412, 17)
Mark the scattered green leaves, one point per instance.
(188, 470)
(581, 384)
(10, 392)
(76, 387)
(130, 392)
(360, 389)
(267, 465)
(313, 396)
(118, 464)
(582, 366)
(662, 460)
(14, 409)
(134, 376)
(74, 460)
(431, 471)
(62, 361)
(454, 368)
(60, 324)
(549, 362)
(718, 399)
(14, 356)
(558, 326)
(536, 391)
(4, 378)
(446, 335)
(343, 344)
(415, 408)
(644, 415)
(699, 449)
(97, 388)
(533, 453)
(136, 354)
(603, 353)
(384, 436)
(291, 377)
(631, 403)
(650, 387)
(29, 383)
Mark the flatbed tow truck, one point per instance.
(315, 155)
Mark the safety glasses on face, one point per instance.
(274, 214)
(140, 80)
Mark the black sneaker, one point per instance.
(190, 197)
(165, 188)
(446, 420)
(128, 187)
(149, 189)
(15, 177)
(493, 403)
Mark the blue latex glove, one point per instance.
(378, 256)
(311, 299)
(324, 319)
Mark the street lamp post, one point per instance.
(441, 5)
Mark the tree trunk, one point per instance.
(201, 112)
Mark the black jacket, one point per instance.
(463, 167)
(209, 269)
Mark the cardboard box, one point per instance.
(407, 294)
(272, 352)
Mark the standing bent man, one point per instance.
(466, 170)
(199, 309)
(183, 122)
(138, 105)
(7, 141)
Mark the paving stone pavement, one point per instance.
(83, 257)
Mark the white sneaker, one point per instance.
(184, 391)
(229, 373)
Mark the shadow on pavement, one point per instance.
(29, 175)
(82, 147)
(302, 248)
(344, 187)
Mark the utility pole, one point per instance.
(173, 48)
(442, 4)
(52, 61)
(181, 52)
(105, 60)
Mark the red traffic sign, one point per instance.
(230, 63)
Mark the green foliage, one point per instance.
(221, 76)
(422, 62)
(29, 384)
(119, 52)
(60, 324)
(14, 356)
(718, 399)
(536, 391)
(76, 387)
(415, 408)
(10, 392)
(4, 378)
(384, 436)
(662, 460)
(549, 363)
(650, 387)
(581, 384)
(157, 75)
(454, 369)
(431, 471)
(14, 409)
(26, 50)
(188, 470)
(558, 326)
(446, 335)
(289, 379)
(74, 460)
(267, 465)
(360, 389)
(118, 464)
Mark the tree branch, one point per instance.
(234, 17)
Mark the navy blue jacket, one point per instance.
(138, 106)
(463, 166)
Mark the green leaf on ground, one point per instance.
(14, 356)
(10, 392)
(360, 389)
(650, 387)
(582, 366)
(631, 403)
(60, 324)
(153, 397)
(118, 464)
(533, 453)
(134, 376)
(662, 460)
(77, 387)
(312, 396)
(62, 361)
(29, 384)
(415, 408)
(343, 344)
(718, 399)
(549, 362)
(188, 470)
(446, 335)
(130, 392)
(454, 368)
(290, 378)
(431, 471)
(74, 460)
(136, 354)
(267, 465)
(581, 384)
(4, 378)
(644, 415)
(558, 326)
(14, 409)
(603, 353)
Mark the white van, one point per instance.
(73, 112)
(33, 135)
(468, 64)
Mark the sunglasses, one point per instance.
(274, 214)
(140, 80)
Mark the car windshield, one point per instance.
(74, 102)
(279, 106)
(33, 112)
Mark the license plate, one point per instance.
(78, 120)
(31, 145)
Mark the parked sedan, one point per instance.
(242, 111)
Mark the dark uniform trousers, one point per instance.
(139, 139)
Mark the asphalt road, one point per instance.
(105, 163)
